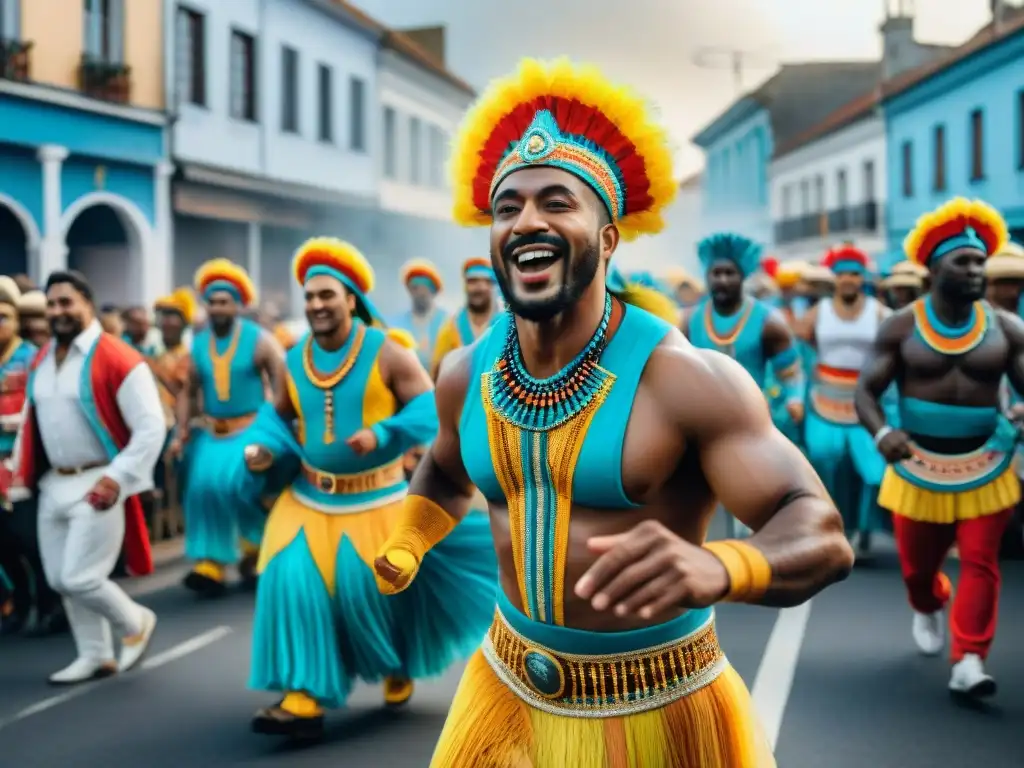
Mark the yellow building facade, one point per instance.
(67, 36)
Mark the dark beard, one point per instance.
(578, 278)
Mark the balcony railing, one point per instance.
(15, 61)
(106, 80)
(854, 219)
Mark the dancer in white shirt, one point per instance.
(93, 432)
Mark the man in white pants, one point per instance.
(93, 432)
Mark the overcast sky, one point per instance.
(652, 45)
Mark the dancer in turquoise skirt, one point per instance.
(842, 330)
(233, 363)
(360, 400)
(749, 330)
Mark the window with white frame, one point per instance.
(10, 20)
(289, 90)
(191, 56)
(390, 127)
(243, 76)
(357, 114)
(104, 30)
(415, 149)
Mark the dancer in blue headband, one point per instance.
(746, 329)
(842, 330)
(950, 478)
(232, 362)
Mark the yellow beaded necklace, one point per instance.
(222, 363)
(327, 382)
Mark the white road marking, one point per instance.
(187, 647)
(774, 680)
(166, 657)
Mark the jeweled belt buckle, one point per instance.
(326, 483)
(544, 673)
(221, 427)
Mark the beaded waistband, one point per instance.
(611, 685)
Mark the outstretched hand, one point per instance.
(394, 570)
(649, 570)
(362, 442)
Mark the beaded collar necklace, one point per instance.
(738, 320)
(946, 339)
(539, 405)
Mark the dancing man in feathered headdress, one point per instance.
(745, 328)
(842, 329)
(601, 439)
(359, 399)
(233, 364)
(424, 319)
(482, 306)
(950, 478)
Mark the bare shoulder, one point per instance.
(1011, 324)
(699, 388)
(896, 327)
(453, 378)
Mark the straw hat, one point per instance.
(1007, 264)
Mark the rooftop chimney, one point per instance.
(430, 39)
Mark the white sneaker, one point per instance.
(929, 631)
(83, 670)
(134, 648)
(970, 679)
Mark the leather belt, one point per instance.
(229, 426)
(71, 471)
(361, 482)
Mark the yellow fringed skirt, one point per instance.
(923, 502)
(676, 705)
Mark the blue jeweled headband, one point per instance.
(337, 274)
(479, 270)
(424, 281)
(544, 144)
(849, 265)
(966, 239)
(217, 286)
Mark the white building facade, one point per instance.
(830, 187)
(420, 106)
(676, 245)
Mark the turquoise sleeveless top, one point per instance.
(600, 485)
(425, 333)
(359, 394)
(748, 347)
(247, 390)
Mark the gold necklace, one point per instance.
(327, 382)
(222, 363)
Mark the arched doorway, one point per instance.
(19, 238)
(105, 243)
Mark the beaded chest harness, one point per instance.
(539, 405)
(945, 339)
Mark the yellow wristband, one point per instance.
(750, 575)
(422, 525)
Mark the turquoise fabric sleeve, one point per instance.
(789, 373)
(269, 430)
(416, 424)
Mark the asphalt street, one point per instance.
(838, 683)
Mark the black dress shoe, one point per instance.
(274, 721)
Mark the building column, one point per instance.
(253, 252)
(158, 258)
(53, 248)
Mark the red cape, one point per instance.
(109, 364)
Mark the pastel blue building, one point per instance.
(84, 177)
(739, 144)
(957, 128)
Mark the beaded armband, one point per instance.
(750, 575)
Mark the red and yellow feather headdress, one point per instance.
(182, 301)
(422, 270)
(224, 275)
(569, 117)
(329, 255)
(960, 223)
(344, 262)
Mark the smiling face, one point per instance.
(550, 237)
(959, 276)
(725, 282)
(479, 293)
(329, 306)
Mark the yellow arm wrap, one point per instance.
(750, 575)
(423, 524)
